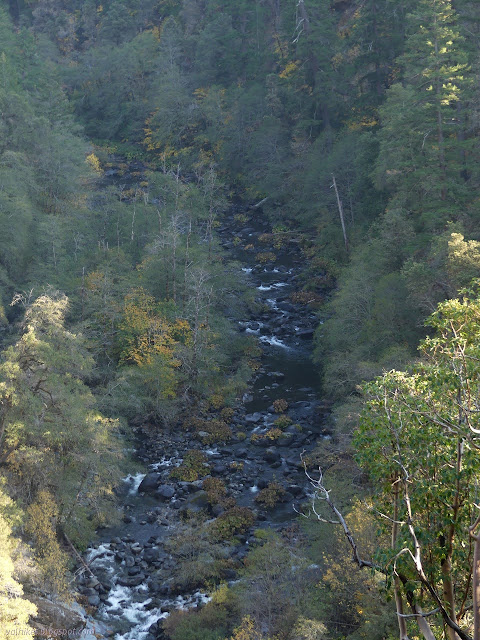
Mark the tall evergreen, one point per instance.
(420, 147)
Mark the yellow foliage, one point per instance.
(94, 163)
(289, 69)
(248, 631)
(146, 334)
(41, 526)
(15, 611)
(201, 93)
(156, 32)
(93, 281)
(149, 340)
(221, 595)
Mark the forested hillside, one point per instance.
(152, 154)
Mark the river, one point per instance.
(131, 587)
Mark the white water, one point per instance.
(211, 452)
(134, 482)
(275, 285)
(272, 304)
(164, 463)
(126, 604)
(273, 341)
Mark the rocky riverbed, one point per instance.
(132, 584)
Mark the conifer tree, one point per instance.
(419, 157)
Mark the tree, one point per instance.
(418, 440)
(51, 435)
(419, 159)
(15, 610)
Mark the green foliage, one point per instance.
(419, 159)
(271, 102)
(274, 585)
(216, 490)
(282, 422)
(51, 436)
(270, 496)
(42, 520)
(280, 405)
(15, 610)
(211, 431)
(212, 622)
(199, 560)
(232, 522)
(417, 440)
(192, 468)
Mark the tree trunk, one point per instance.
(402, 624)
(340, 211)
(476, 589)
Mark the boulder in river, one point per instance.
(166, 491)
(53, 615)
(150, 483)
(271, 455)
(285, 440)
(253, 417)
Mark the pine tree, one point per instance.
(419, 157)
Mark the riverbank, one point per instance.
(256, 466)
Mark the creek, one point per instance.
(131, 587)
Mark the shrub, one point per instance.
(265, 256)
(227, 414)
(216, 430)
(198, 561)
(306, 297)
(211, 622)
(270, 496)
(265, 238)
(282, 422)
(216, 401)
(272, 434)
(216, 491)
(42, 516)
(233, 522)
(192, 467)
(280, 405)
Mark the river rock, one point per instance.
(295, 489)
(271, 455)
(166, 491)
(129, 561)
(253, 417)
(285, 440)
(305, 334)
(133, 581)
(53, 615)
(154, 555)
(217, 510)
(196, 502)
(150, 483)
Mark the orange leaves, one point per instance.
(145, 333)
(289, 69)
